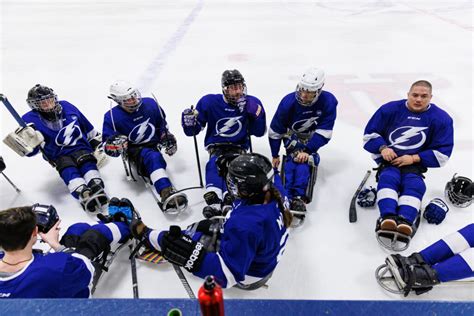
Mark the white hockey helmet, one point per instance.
(127, 96)
(310, 86)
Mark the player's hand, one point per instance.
(189, 118)
(388, 154)
(276, 162)
(301, 157)
(116, 145)
(253, 108)
(168, 141)
(404, 160)
(52, 236)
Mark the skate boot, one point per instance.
(406, 274)
(298, 209)
(213, 207)
(172, 202)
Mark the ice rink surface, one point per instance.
(371, 51)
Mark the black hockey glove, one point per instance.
(116, 145)
(2, 164)
(223, 161)
(181, 250)
(168, 142)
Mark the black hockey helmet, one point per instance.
(232, 77)
(456, 190)
(248, 175)
(46, 216)
(232, 95)
(37, 100)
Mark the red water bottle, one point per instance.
(210, 298)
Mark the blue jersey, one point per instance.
(253, 241)
(142, 127)
(227, 124)
(57, 275)
(313, 124)
(74, 134)
(428, 134)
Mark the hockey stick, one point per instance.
(184, 281)
(201, 185)
(12, 184)
(105, 267)
(133, 265)
(352, 207)
(21, 122)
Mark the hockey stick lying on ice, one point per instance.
(155, 257)
(352, 207)
(12, 184)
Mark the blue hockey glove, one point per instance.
(435, 211)
(367, 197)
(189, 118)
(252, 107)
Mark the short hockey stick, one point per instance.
(352, 207)
(184, 281)
(133, 265)
(12, 184)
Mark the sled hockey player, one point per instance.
(77, 259)
(246, 250)
(67, 140)
(136, 128)
(304, 121)
(448, 259)
(231, 118)
(405, 138)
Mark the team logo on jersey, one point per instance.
(68, 135)
(305, 125)
(408, 137)
(228, 126)
(142, 133)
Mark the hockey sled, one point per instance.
(171, 206)
(393, 240)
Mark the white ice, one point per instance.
(371, 51)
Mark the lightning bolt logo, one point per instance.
(304, 125)
(408, 135)
(66, 136)
(139, 133)
(227, 124)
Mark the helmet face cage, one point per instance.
(307, 96)
(233, 86)
(126, 96)
(43, 100)
(454, 191)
